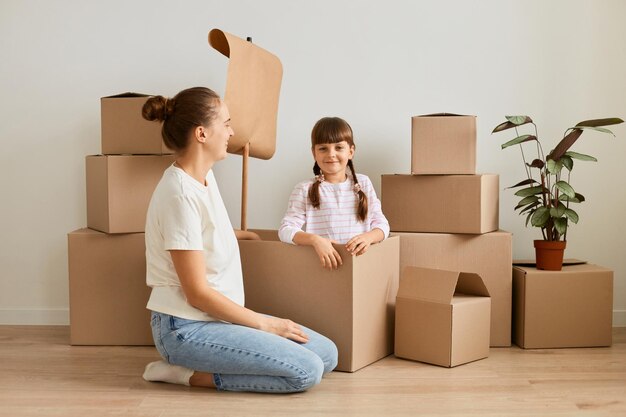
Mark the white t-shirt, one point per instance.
(186, 215)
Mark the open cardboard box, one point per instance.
(442, 317)
(443, 143)
(125, 131)
(557, 309)
(441, 203)
(108, 291)
(353, 305)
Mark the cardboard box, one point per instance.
(125, 131)
(119, 188)
(108, 292)
(443, 143)
(353, 305)
(488, 255)
(442, 317)
(441, 203)
(568, 308)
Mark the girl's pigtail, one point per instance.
(361, 211)
(314, 191)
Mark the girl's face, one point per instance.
(332, 159)
(218, 133)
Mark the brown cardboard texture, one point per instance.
(568, 308)
(443, 143)
(125, 131)
(353, 305)
(488, 255)
(108, 292)
(442, 317)
(441, 203)
(252, 92)
(119, 188)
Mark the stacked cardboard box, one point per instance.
(447, 217)
(107, 267)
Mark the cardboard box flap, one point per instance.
(252, 91)
(128, 94)
(436, 285)
(471, 284)
(444, 115)
(530, 262)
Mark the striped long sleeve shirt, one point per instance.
(336, 217)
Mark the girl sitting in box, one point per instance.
(334, 207)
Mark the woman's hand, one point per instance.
(329, 257)
(284, 328)
(246, 235)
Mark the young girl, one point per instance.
(200, 326)
(335, 207)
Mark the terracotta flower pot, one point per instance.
(549, 254)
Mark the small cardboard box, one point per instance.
(443, 143)
(125, 131)
(488, 255)
(442, 317)
(353, 305)
(557, 309)
(441, 203)
(108, 292)
(119, 188)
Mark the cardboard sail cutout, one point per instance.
(252, 90)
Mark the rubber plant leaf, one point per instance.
(518, 140)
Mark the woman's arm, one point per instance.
(190, 267)
(246, 235)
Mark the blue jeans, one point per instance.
(242, 358)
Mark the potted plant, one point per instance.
(547, 194)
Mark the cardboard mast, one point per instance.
(252, 91)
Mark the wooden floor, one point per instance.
(40, 375)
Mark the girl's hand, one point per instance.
(359, 244)
(284, 328)
(329, 257)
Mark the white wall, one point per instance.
(373, 63)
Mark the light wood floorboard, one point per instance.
(41, 375)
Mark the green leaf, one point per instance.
(580, 156)
(557, 211)
(518, 120)
(554, 167)
(518, 140)
(568, 162)
(508, 125)
(525, 192)
(540, 217)
(565, 188)
(599, 129)
(530, 213)
(572, 215)
(576, 199)
(601, 122)
(530, 207)
(526, 200)
(525, 182)
(536, 163)
(560, 225)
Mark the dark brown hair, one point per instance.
(193, 107)
(330, 130)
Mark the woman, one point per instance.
(200, 325)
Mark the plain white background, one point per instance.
(373, 63)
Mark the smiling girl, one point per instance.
(334, 207)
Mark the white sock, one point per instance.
(165, 372)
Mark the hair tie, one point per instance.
(356, 188)
(319, 178)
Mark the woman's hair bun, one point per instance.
(156, 108)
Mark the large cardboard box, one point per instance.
(568, 308)
(488, 255)
(443, 143)
(119, 188)
(441, 203)
(442, 317)
(125, 131)
(108, 292)
(353, 305)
